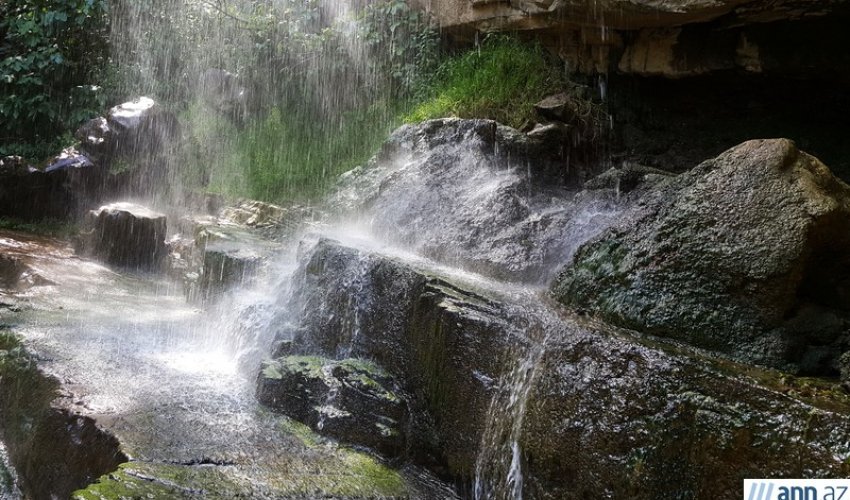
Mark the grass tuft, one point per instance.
(501, 80)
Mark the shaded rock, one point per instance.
(11, 270)
(493, 376)
(97, 139)
(15, 274)
(127, 235)
(608, 407)
(227, 264)
(230, 255)
(558, 107)
(727, 256)
(844, 367)
(627, 178)
(418, 326)
(352, 400)
(53, 450)
(60, 191)
(669, 39)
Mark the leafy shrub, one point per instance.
(501, 80)
(50, 53)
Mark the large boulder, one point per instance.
(133, 140)
(748, 254)
(127, 235)
(516, 398)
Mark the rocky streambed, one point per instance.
(110, 378)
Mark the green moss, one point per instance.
(376, 474)
(300, 432)
(149, 480)
(365, 373)
(501, 80)
(309, 366)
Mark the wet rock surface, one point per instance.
(126, 235)
(214, 254)
(468, 193)
(174, 402)
(746, 254)
(354, 401)
(582, 408)
(54, 449)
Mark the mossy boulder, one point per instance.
(498, 382)
(352, 400)
(747, 254)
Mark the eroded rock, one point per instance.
(745, 254)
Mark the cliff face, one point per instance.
(663, 37)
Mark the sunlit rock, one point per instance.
(127, 235)
(354, 401)
(746, 254)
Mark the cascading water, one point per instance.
(446, 198)
(457, 201)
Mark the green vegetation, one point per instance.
(46, 227)
(312, 154)
(290, 155)
(294, 131)
(501, 80)
(156, 480)
(51, 53)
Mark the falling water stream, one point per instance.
(175, 381)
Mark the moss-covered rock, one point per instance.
(748, 254)
(352, 400)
